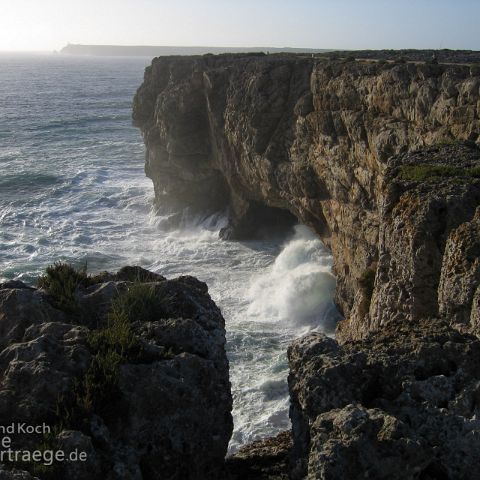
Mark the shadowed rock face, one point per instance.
(166, 412)
(326, 140)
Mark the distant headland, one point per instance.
(156, 51)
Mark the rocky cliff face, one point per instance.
(331, 143)
(128, 368)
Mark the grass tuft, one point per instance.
(139, 303)
(422, 173)
(60, 281)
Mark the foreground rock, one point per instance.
(135, 375)
(261, 460)
(401, 404)
(282, 138)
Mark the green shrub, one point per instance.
(139, 303)
(116, 336)
(60, 282)
(99, 390)
(426, 172)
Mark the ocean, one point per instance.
(73, 188)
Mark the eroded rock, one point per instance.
(401, 404)
(266, 459)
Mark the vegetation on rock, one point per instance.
(426, 172)
(60, 281)
(112, 344)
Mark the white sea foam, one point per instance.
(288, 297)
(299, 287)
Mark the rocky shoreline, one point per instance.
(402, 403)
(382, 160)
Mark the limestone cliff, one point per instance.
(336, 144)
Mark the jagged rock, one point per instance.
(354, 442)
(475, 314)
(266, 459)
(324, 140)
(401, 404)
(20, 308)
(38, 368)
(428, 195)
(461, 274)
(73, 441)
(137, 274)
(168, 411)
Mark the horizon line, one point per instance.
(224, 46)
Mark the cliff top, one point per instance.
(399, 56)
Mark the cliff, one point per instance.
(380, 158)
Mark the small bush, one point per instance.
(421, 173)
(61, 281)
(99, 390)
(139, 303)
(116, 336)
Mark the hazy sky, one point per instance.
(349, 24)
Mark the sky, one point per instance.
(48, 25)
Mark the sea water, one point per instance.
(73, 188)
